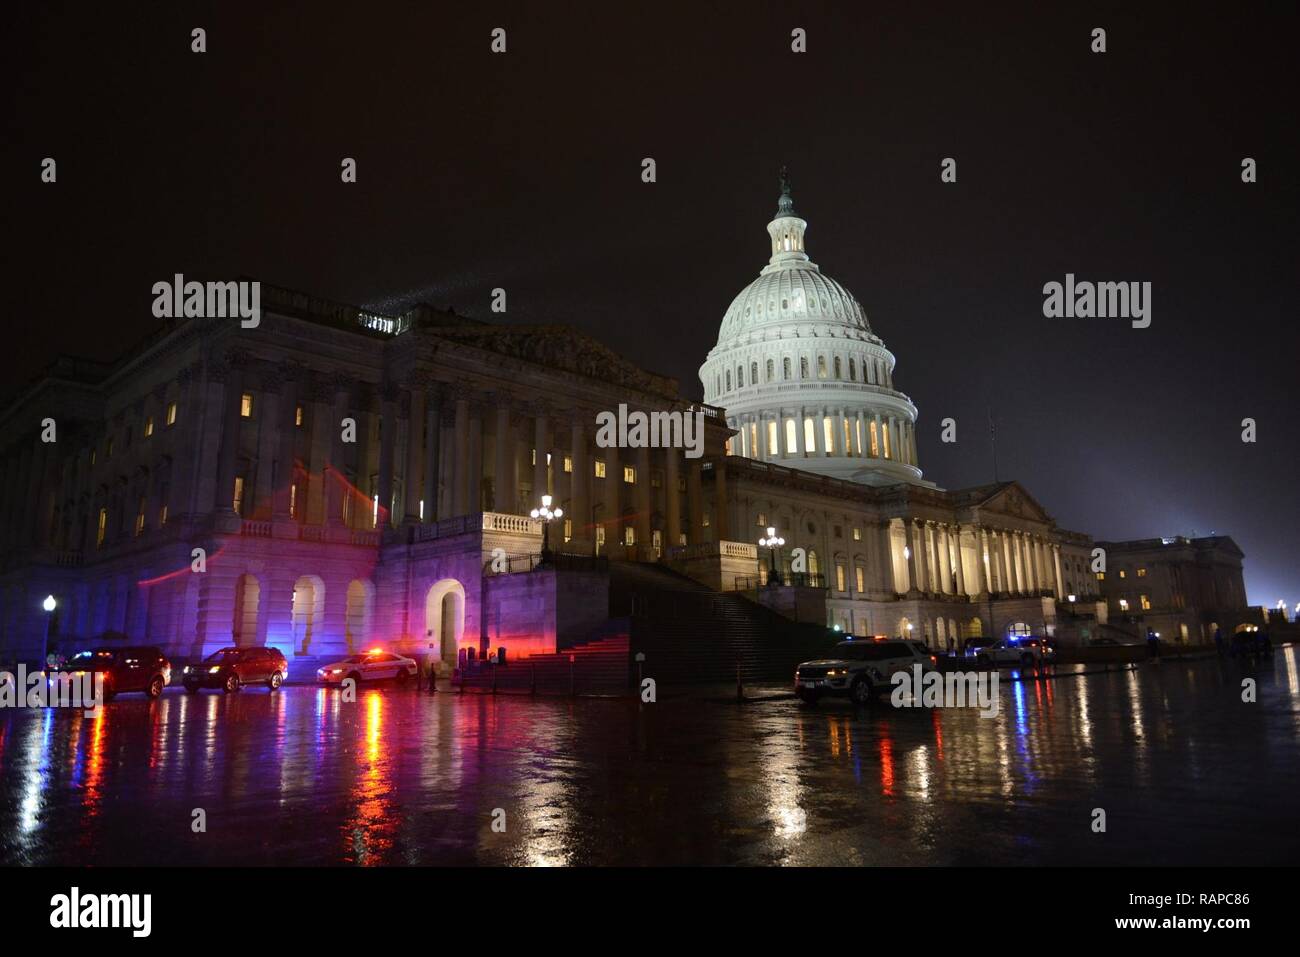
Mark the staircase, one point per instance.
(691, 634)
(302, 668)
(599, 666)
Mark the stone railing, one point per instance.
(480, 522)
(515, 524)
(255, 529)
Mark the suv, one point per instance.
(860, 669)
(231, 668)
(143, 668)
(1012, 651)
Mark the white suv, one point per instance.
(1017, 651)
(860, 669)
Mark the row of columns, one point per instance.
(870, 435)
(1007, 561)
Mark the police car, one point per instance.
(375, 665)
(859, 669)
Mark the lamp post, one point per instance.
(546, 515)
(49, 605)
(772, 543)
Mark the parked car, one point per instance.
(231, 668)
(859, 669)
(135, 668)
(1026, 651)
(371, 666)
(972, 646)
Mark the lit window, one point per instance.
(1145, 602)
(600, 469)
(568, 463)
(1142, 573)
(857, 534)
(761, 520)
(600, 537)
(884, 432)
(861, 579)
(840, 583)
(1123, 573)
(1101, 576)
(162, 516)
(148, 426)
(139, 520)
(532, 456)
(1123, 604)
(171, 413)
(629, 475)
(246, 405)
(568, 529)
(629, 535)
(101, 527)
(293, 500)
(828, 431)
(297, 416)
(772, 448)
(848, 436)
(238, 503)
(875, 441)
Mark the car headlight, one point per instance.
(187, 669)
(336, 671)
(214, 669)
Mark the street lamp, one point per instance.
(49, 605)
(772, 543)
(546, 515)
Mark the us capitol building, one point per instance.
(203, 491)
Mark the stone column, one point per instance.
(916, 563)
(846, 445)
(945, 560)
(475, 457)
(885, 557)
(322, 395)
(1056, 562)
(460, 461)
(960, 564)
(643, 537)
(981, 547)
(542, 443)
(694, 503)
(580, 498)
(336, 485)
(224, 493)
(414, 486)
(284, 456)
(387, 439)
(432, 452)
(504, 497)
(268, 436)
(672, 497)
(720, 499)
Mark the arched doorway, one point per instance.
(1019, 629)
(444, 617)
(308, 611)
(356, 620)
(974, 629)
(243, 629)
(904, 628)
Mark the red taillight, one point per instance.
(934, 660)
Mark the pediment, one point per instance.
(1010, 498)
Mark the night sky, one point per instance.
(523, 171)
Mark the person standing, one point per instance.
(1153, 643)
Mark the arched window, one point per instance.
(728, 380)
(821, 367)
(753, 373)
(785, 368)
(740, 377)
(839, 372)
(769, 370)
(813, 566)
(1018, 629)
(791, 437)
(853, 371)
(803, 367)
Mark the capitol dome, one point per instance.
(804, 380)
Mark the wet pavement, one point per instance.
(1186, 772)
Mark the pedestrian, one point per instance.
(1218, 641)
(1153, 643)
(431, 668)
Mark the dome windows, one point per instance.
(785, 368)
(838, 370)
(853, 371)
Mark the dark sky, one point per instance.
(523, 171)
